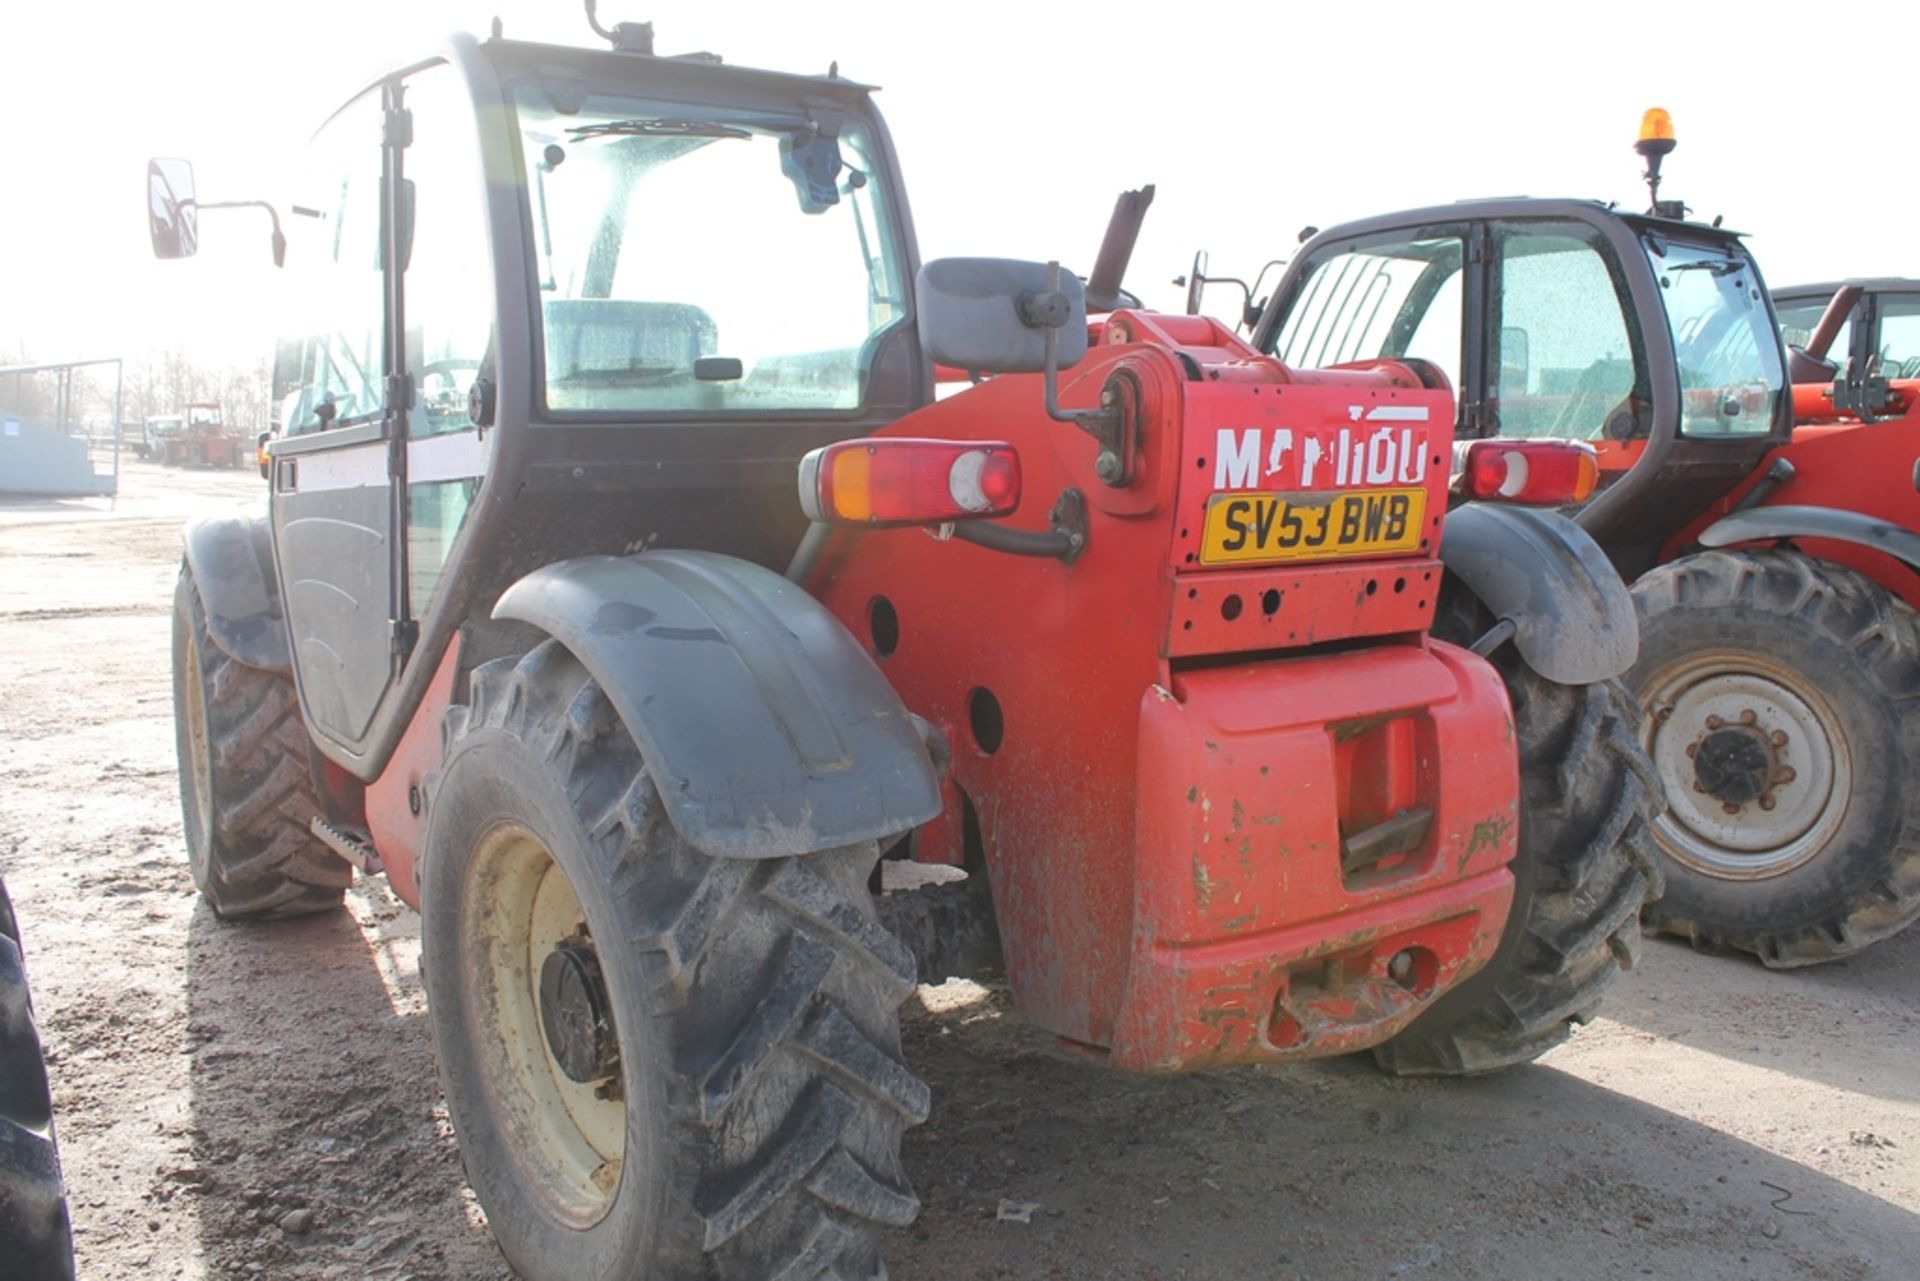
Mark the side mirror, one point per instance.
(1001, 315)
(173, 216)
(260, 455)
(1196, 282)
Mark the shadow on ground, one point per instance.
(1851, 1024)
(1035, 1165)
(318, 1133)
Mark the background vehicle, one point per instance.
(1201, 724)
(200, 437)
(1874, 329)
(36, 1239)
(1773, 567)
(156, 432)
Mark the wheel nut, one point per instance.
(1766, 800)
(1730, 807)
(1748, 717)
(1784, 774)
(1778, 738)
(1714, 722)
(1692, 748)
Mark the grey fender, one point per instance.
(767, 729)
(1759, 524)
(1573, 620)
(231, 559)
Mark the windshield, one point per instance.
(1724, 339)
(703, 260)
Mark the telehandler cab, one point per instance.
(1238, 763)
(1773, 566)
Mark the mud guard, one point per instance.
(231, 559)
(1574, 622)
(1761, 524)
(768, 729)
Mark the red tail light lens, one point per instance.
(1543, 473)
(905, 481)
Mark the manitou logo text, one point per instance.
(1379, 449)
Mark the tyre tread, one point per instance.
(1858, 614)
(263, 861)
(1587, 798)
(787, 1090)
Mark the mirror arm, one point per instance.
(1108, 424)
(1038, 313)
(279, 239)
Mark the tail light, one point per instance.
(1541, 473)
(903, 481)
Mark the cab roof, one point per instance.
(1515, 207)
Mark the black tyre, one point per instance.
(36, 1240)
(1782, 699)
(246, 780)
(658, 1064)
(1584, 868)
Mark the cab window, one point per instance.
(1899, 347)
(1396, 299)
(1564, 351)
(449, 314)
(1725, 343)
(328, 369)
(706, 260)
(1798, 320)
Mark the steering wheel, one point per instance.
(446, 368)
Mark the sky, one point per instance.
(1016, 126)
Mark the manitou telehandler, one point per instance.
(1147, 634)
(1774, 567)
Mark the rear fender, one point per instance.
(1761, 524)
(1573, 620)
(768, 730)
(231, 559)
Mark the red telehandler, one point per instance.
(1760, 500)
(1238, 763)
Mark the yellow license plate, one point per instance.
(1247, 528)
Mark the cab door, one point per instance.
(332, 487)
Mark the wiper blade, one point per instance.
(658, 129)
(682, 128)
(1725, 267)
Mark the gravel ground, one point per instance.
(242, 1101)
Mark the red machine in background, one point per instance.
(1761, 501)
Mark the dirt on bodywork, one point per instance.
(238, 1101)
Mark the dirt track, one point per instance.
(1720, 1121)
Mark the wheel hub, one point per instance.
(1757, 764)
(574, 1011)
(1734, 765)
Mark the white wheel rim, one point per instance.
(1809, 769)
(566, 1137)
